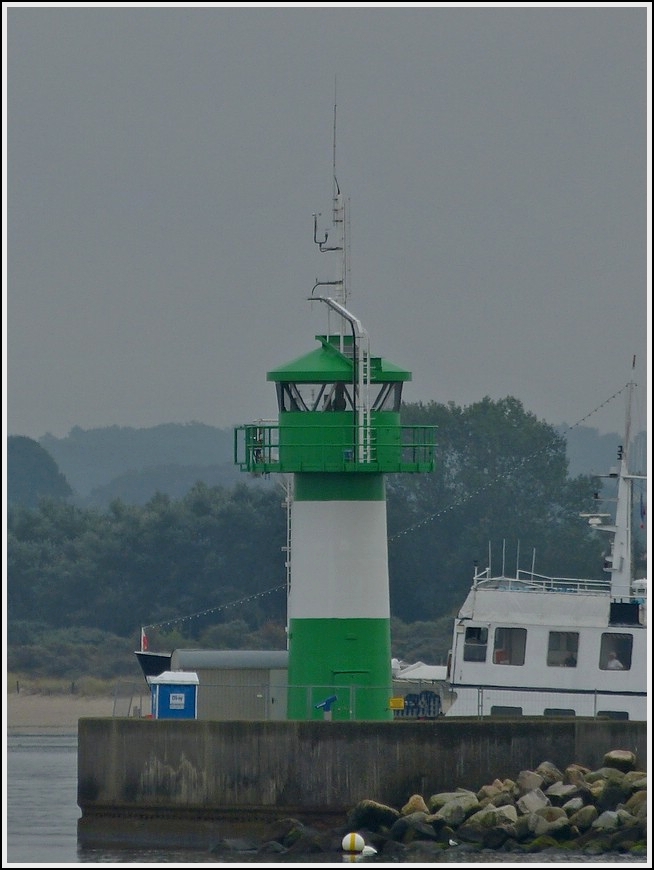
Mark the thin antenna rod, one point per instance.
(533, 562)
(334, 146)
(339, 242)
(517, 560)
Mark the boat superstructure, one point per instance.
(531, 645)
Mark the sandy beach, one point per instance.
(52, 714)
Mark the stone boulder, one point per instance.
(637, 779)
(584, 817)
(549, 772)
(487, 792)
(559, 792)
(605, 774)
(575, 773)
(607, 821)
(550, 822)
(456, 810)
(532, 800)
(528, 780)
(438, 800)
(609, 787)
(490, 827)
(503, 799)
(371, 814)
(416, 803)
(413, 826)
(573, 805)
(637, 803)
(622, 759)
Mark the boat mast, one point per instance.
(618, 563)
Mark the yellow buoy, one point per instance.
(353, 843)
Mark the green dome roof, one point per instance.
(327, 364)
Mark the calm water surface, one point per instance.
(41, 822)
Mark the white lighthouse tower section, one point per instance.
(339, 560)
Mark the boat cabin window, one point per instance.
(615, 652)
(562, 649)
(475, 644)
(558, 712)
(620, 715)
(509, 646)
(508, 712)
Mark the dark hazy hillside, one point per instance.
(32, 473)
(92, 458)
(138, 487)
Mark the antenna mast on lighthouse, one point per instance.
(335, 240)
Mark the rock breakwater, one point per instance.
(576, 809)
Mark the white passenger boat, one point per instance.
(531, 645)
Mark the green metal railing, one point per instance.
(267, 447)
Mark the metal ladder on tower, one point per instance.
(366, 448)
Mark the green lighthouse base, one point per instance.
(340, 669)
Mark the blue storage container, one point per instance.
(174, 695)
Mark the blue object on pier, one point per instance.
(174, 695)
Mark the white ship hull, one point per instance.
(511, 642)
(531, 645)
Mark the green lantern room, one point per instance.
(339, 411)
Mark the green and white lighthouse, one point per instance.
(337, 435)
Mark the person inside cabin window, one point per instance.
(338, 402)
(571, 661)
(614, 663)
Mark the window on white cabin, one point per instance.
(615, 652)
(562, 649)
(475, 644)
(509, 646)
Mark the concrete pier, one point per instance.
(186, 783)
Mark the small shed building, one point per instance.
(237, 684)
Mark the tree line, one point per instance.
(198, 564)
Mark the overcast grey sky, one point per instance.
(164, 163)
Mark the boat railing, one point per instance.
(528, 581)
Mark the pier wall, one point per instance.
(188, 773)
